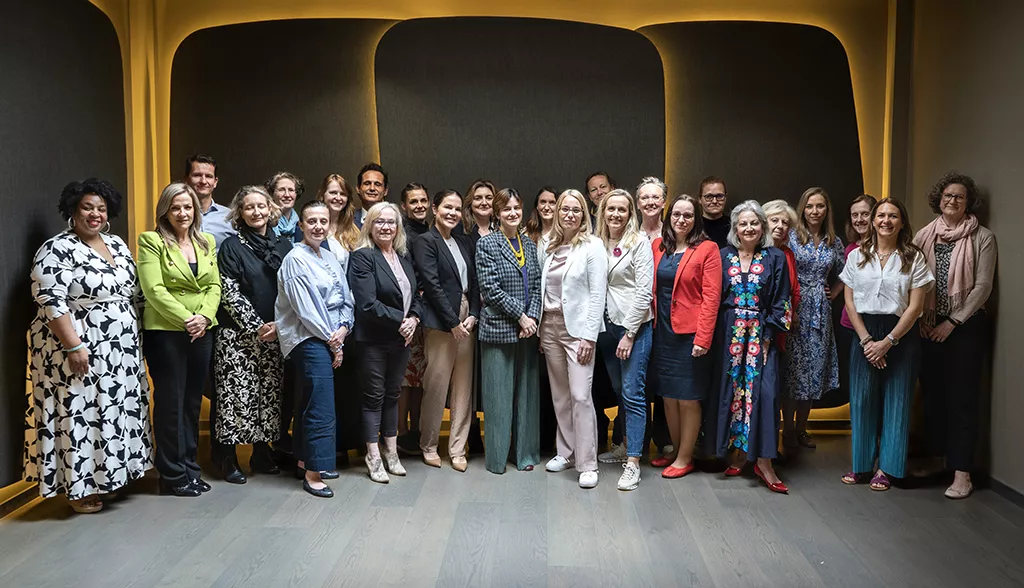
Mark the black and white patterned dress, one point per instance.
(248, 373)
(87, 434)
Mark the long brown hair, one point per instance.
(535, 226)
(468, 220)
(851, 233)
(904, 240)
(803, 233)
(163, 226)
(345, 230)
(668, 234)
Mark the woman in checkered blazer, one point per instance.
(509, 278)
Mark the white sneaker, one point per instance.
(558, 464)
(630, 478)
(616, 455)
(588, 479)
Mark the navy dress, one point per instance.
(680, 375)
(755, 309)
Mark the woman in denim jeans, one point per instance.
(626, 341)
(314, 314)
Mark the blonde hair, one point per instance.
(631, 232)
(803, 233)
(163, 226)
(366, 235)
(235, 214)
(774, 207)
(346, 231)
(557, 236)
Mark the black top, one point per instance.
(377, 296)
(413, 229)
(718, 230)
(252, 263)
(439, 278)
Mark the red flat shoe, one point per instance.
(733, 471)
(777, 487)
(661, 462)
(672, 472)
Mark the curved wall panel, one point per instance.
(262, 97)
(61, 119)
(524, 102)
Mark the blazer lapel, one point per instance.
(445, 253)
(687, 256)
(178, 261)
(617, 260)
(379, 256)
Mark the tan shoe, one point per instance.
(87, 505)
(433, 460)
(459, 464)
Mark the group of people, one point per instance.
(343, 322)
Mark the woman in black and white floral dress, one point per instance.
(87, 425)
(248, 365)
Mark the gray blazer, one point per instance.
(502, 288)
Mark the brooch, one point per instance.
(617, 252)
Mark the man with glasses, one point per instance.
(712, 203)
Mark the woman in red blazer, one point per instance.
(687, 293)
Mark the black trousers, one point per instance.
(179, 368)
(382, 368)
(950, 376)
(604, 397)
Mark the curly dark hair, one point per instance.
(953, 177)
(73, 193)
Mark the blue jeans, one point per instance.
(629, 379)
(315, 428)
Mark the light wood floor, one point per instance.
(442, 528)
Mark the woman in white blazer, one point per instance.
(625, 343)
(573, 286)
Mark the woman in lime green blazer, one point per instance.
(181, 282)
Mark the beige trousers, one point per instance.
(570, 393)
(449, 370)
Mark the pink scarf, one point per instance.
(961, 263)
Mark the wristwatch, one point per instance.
(892, 340)
(630, 335)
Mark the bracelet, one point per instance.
(955, 322)
(866, 340)
(75, 348)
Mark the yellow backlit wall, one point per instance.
(151, 30)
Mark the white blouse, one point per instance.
(884, 290)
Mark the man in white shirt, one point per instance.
(201, 175)
(372, 186)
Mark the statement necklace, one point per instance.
(520, 255)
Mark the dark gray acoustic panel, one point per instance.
(766, 106)
(262, 97)
(61, 119)
(523, 102)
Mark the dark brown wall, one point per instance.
(523, 102)
(263, 97)
(61, 119)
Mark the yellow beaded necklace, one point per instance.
(519, 255)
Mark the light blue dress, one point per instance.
(814, 363)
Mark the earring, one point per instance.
(107, 228)
(71, 223)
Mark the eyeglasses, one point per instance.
(567, 210)
(950, 197)
(714, 196)
(383, 222)
(682, 215)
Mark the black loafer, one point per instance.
(201, 485)
(232, 473)
(329, 475)
(263, 465)
(185, 490)
(324, 492)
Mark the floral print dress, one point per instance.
(814, 362)
(755, 309)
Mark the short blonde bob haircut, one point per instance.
(366, 234)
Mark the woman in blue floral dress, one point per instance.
(755, 309)
(814, 363)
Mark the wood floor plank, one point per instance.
(364, 559)
(469, 558)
